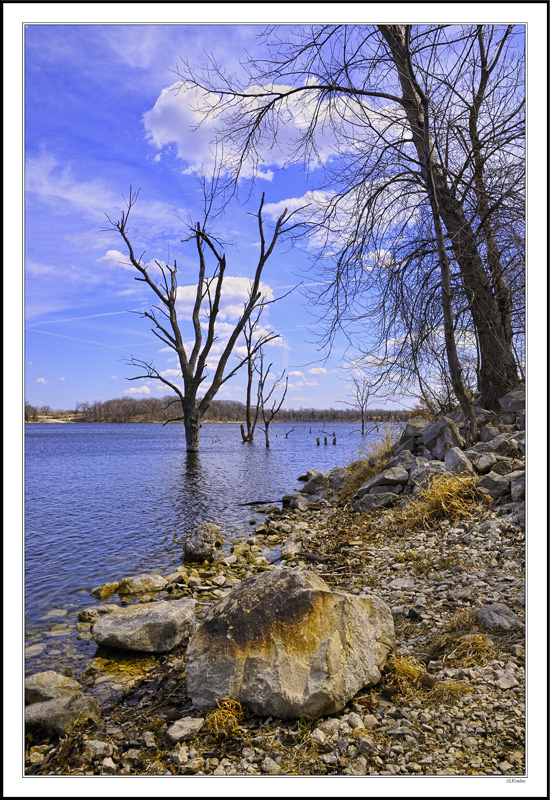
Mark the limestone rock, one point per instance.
(337, 478)
(138, 584)
(415, 427)
(202, 544)
(369, 501)
(151, 628)
(422, 474)
(498, 615)
(440, 436)
(388, 477)
(184, 728)
(514, 400)
(456, 461)
(295, 501)
(286, 645)
(44, 686)
(57, 716)
(495, 485)
(316, 485)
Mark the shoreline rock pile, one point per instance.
(449, 697)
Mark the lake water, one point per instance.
(105, 501)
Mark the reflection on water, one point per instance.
(105, 501)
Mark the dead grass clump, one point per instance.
(224, 721)
(403, 672)
(450, 691)
(447, 496)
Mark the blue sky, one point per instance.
(100, 116)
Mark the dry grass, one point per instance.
(450, 691)
(224, 721)
(372, 458)
(447, 496)
(402, 672)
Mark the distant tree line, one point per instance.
(152, 409)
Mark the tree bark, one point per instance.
(498, 372)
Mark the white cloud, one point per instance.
(317, 371)
(234, 295)
(138, 390)
(41, 380)
(114, 258)
(62, 379)
(114, 377)
(171, 373)
(296, 374)
(307, 383)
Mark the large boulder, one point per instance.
(318, 484)
(337, 478)
(368, 502)
(514, 400)
(150, 628)
(389, 477)
(202, 543)
(422, 474)
(415, 427)
(495, 485)
(440, 436)
(456, 461)
(44, 686)
(286, 645)
(59, 714)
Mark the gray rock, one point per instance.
(58, 715)
(94, 748)
(311, 473)
(151, 628)
(44, 686)
(514, 400)
(415, 426)
(295, 501)
(440, 435)
(404, 446)
(370, 501)
(337, 478)
(184, 728)
(495, 485)
(456, 461)
(316, 485)
(483, 462)
(488, 433)
(497, 615)
(286, 645)
(423, 474)
(389, 477)
(404, 459)
(202, 544)
(381, 489)
(139, 584)
(517, 487)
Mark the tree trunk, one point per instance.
(498, 372)
(192, 426)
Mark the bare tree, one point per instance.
(193, 359)
(361, 393)
(386, 169)
(264, 396)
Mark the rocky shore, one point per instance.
(451, 698)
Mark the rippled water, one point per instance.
(104, 501)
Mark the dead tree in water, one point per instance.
(193, 358)
(269, 414)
